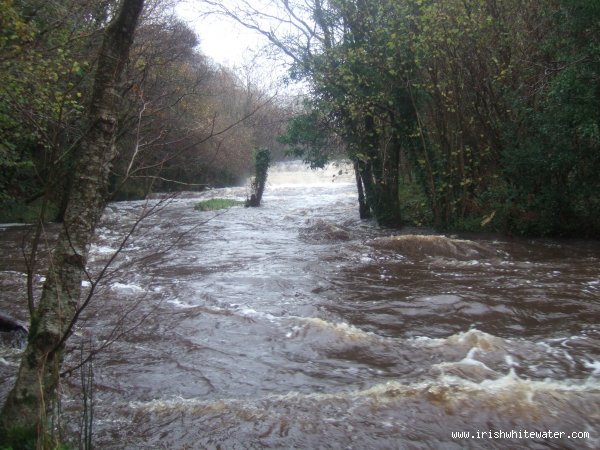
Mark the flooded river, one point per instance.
(296, 325)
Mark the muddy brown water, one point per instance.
(296, 325)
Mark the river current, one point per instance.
(297, 325)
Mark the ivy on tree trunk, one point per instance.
(262, 160)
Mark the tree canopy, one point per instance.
(491, 107)
(186, 122)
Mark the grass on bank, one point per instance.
(215, 204)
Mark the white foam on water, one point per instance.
(562, 351)
(564, 341)
(594, 365)
(473, 338)
(246, 311)
(476, 342)
(510, 361)
(476, 338)
(14, 273)
(468, 367)
(365, 259)
(341, 329)
(12, 353)
(179, 304)
(192, 405)
(16, 224)
(569, 358)
(512, 383)
(509, 388)
(101, 250)
(547, 347)
(470, 358)
(126, 287)
(464, 362)
(296, 173)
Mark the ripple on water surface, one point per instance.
(296, 325)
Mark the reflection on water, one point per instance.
(296, 325)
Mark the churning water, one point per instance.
(296, 325)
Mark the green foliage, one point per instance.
(12, 211)
(133, 190)
(360, 95)
(18, 439)
(172, 102)
(552, 157)
(27, 438)
(494, 107)
(214, 204)
(262, 161)
(41, 100)
(308, 138)
(414, 205)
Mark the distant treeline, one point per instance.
(491, 108)
(185, 122)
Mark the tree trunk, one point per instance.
(363, 208)
(379, 174)
(389, 200)
(33, 396)
(262, 160)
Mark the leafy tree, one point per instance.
(359, 84)
(44, 75)
(308, 137)
(31, 400)
(494, 105)
(553, 148)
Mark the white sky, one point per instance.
(222, 39)
(230, 44)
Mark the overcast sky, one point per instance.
(224, 40)
(231, 44)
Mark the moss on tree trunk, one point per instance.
(28, 405)
(262, 160)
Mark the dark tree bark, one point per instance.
(363, 208)
(33, 395)
(262, 160)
